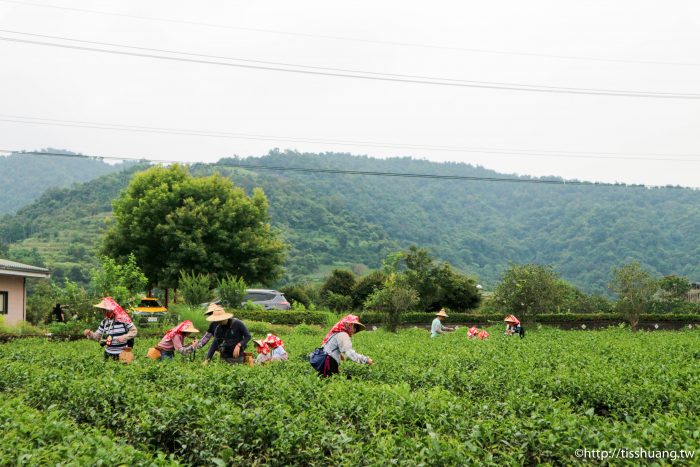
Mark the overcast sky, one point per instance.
(623, 37)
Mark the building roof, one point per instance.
(14, 268)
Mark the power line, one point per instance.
(339, 171)
(356, 39)
(345, 73)
(358, 143)
(221, 57)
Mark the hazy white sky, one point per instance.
(54, 83)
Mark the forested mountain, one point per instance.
(24, 177)
(63, 226)
(480, 227)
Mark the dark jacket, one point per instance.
(227, 336)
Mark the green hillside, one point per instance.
(480, 227)
(24, 177)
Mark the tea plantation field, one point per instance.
(446, 401)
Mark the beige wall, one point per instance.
(14, 286)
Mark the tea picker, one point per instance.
(116, 332)
(513, 326)
(174, 340)
(270, 349)
(437, 327)
(230, 337)
(336, 346)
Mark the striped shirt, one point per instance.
(113, 328)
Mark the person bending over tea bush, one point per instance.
(337, 346)
(513, 326)
(230, 337)
(271, 349)
(175, 340)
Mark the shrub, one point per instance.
(193, 313)
(459, 292)
(296, 294)
(195, 288)
(338, 302)
(22, 328)
(394, 298)
(231, 290)
(365, 287)
(123, 282)
(320, 318)
(250, 306)
(340, 282)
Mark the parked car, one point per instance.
(149, 310)
(268, 298)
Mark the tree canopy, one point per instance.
(635, 288)
(173, 222)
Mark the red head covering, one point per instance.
(273, 341)
(473, 331)
(342, 326)
(177, 329)
(113, 310)
(263, 349)
(512, 319)
(483, 335)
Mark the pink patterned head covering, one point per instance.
(483, 335)
(511, 319)
(343, 325)
(113, 310)
(179, 329)
(273, 341)
(473, 331)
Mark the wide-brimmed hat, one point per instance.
(107, 303)
(190, 328)
(441, 313)
(258, 342)
(511, 319)
(219, 314)
(212, 307)
(359, 327)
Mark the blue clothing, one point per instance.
(436, 328)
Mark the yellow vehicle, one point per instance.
(149, 310)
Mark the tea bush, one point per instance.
(31, 437)
(443, 401)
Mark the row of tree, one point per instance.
(530, 289)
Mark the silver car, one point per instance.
(270, 299)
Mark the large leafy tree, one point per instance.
(174, 222)
(438, 284)
(529, 289)
(674, 289)
(635, 288)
